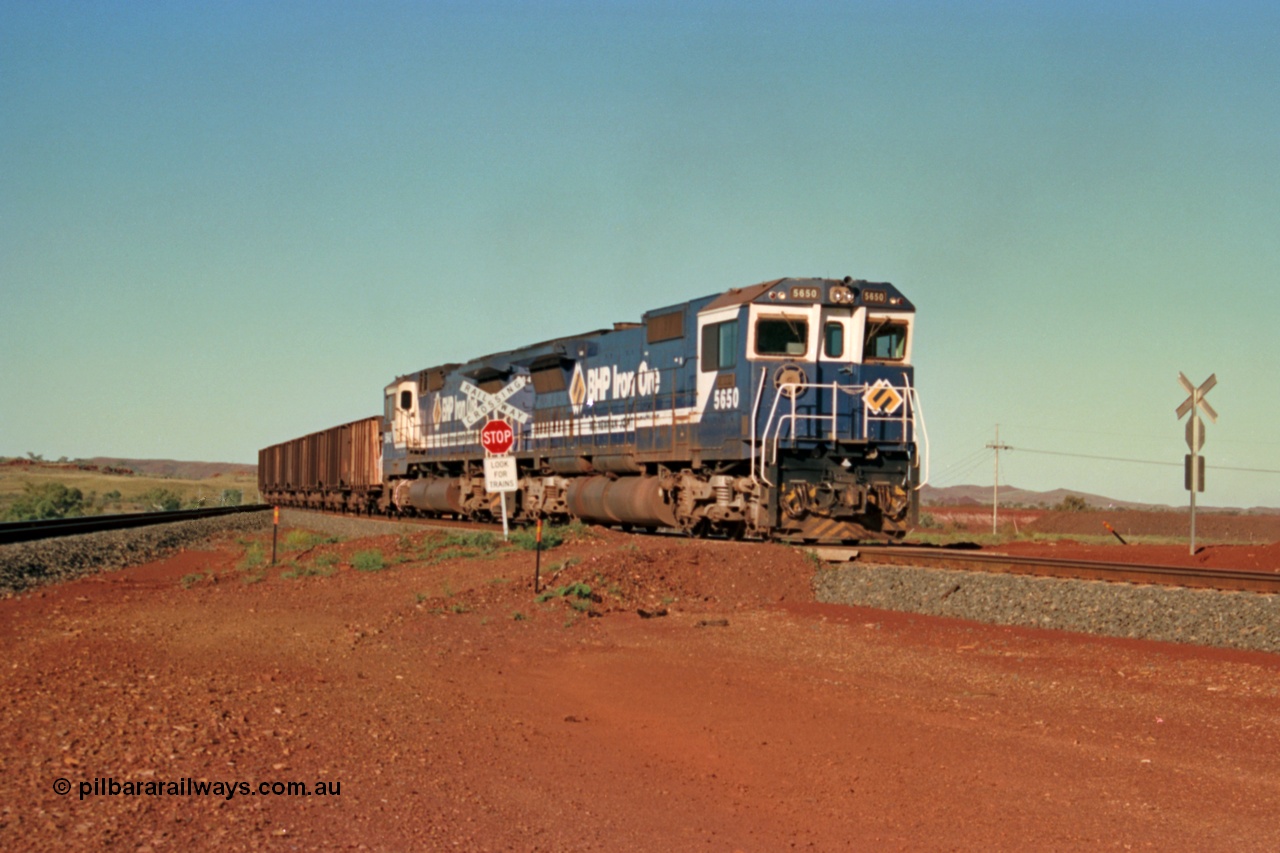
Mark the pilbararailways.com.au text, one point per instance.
(188, 787)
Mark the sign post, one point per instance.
(537, 560)
(1194, 463)
(500, 473)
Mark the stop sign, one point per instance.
(497, 437)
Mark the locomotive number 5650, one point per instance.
(725, 398)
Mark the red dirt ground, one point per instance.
(457, 712)
(1176, 525)
(1260, 532)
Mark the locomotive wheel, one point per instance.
(699, 529)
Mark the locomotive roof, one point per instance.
(532, 353)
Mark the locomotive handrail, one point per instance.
(755, 419)
(922, 430)
(772, 431)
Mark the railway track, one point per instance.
(985, 561)
(29, 531)
(959, 559)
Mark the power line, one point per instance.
(1249, 470)
(1095, 432)
(957, 475)
(1143, 461)
(1092, 456)
(962, 467)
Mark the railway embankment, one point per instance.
(1241, 620)
(24, 565)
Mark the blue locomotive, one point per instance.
(784, 410)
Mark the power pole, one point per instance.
(995, 482)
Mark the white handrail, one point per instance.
(911, 419)
(755, 418)
(921, 430)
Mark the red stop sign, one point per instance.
(497, 437)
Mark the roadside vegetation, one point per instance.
(305, 553)
(34, 493)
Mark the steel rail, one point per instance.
(1143, 573)
(28, 531)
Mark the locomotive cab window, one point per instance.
(719, 346)
(833, 339)
(406, 400)
(782, 336)
(886, 340)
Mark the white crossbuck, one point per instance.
(481, 404)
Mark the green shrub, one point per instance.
(160, 500)
(368, 561)
(316, 571)
(254, 556)
(1073, 503)
(579, 591)
(301, 540)
(47, 500)
(526, 538)
(456, 546)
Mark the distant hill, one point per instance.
(145, 467)
(174, 467)
(1013, 496)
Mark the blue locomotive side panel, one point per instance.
(626, 391)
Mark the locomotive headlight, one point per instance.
(841, 295)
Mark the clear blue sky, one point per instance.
(224, 225)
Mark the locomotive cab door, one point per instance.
(720, 344)
(404, 415)
(842, 330)
(839, 364)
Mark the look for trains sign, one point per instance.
(497, 437)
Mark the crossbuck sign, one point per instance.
(1193, 405)
(481, 404)
(1196, 401)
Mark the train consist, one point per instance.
(784, 410)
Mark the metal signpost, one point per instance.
(1194, 463)
(500, 473)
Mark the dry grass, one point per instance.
(130, 488)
